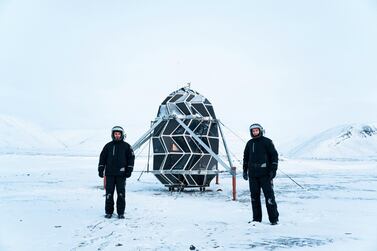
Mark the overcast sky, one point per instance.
(296, 67)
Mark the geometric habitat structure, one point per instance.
(185, 137)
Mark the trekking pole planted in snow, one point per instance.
(104, 183)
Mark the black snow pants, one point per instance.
(255, 185)
(120, 183)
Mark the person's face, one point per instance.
(255, 131)
(117, 135)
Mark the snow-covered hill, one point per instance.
(83, 142)
(17, 136)
(347, 142)
(22, 137)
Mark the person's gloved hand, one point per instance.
(100, 174)
(245, 176)
(272, 174)
(128, 172)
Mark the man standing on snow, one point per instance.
(260, 163)
(116, 162)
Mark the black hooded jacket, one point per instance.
(260, 157)
(117, 159)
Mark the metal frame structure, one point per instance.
(186, 139)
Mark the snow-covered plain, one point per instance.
(57, 203)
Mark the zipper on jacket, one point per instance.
(253, 146)
(114, 150)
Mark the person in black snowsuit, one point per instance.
(260, 164)
(116, 162)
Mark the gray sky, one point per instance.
(297, 67)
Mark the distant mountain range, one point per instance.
(352, 141)
(346, 142)
(20, 136)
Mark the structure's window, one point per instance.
(214, 131)
(202, 163)
(182, 143)
(211, 111)
(175, 98)
(179, 130)
(182, 106)
(171, 145)
(182, 162)
(191, 181)
(214, 145)
(194, 147)
(172, 125)
(158, 129)
(158, 161)
(158, 146)
(212, 164)
(200, 108)
(173, 109)
(193, 125)
(190, 97)
(171, 160)
(194, 159)
(205, 140)
(199, 179)
(202, 129)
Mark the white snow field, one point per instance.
(57, 203)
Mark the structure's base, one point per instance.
(181, 188)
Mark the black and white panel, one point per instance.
(179, 160)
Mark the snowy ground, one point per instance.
(57, 203)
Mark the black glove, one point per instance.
(100, 174)
(128, 172)
(272, 174)
(245, 176)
